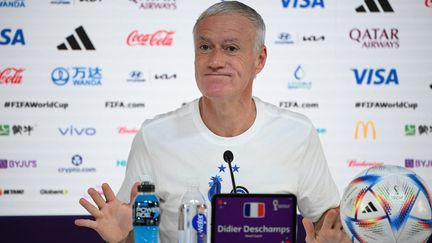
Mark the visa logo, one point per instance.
(7, 36)
(74, 131)
(302, 3)
(254, 210)
(376, 76)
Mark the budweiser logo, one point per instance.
(159, 38)
(11, 76)
(355, 163)
(125, 130)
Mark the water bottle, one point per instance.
(146, 214)
(192, 216)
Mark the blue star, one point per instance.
(236, 168)
(222, 168)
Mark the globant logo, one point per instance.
(80, 76)
(363, 163)
(13, 4)
(303, 3)
(159, 38)
(11, 75)
(53, 192)
(11, 37)
(300, 82)
(418, 163)
(77, 161)
(17, 164)
(156, 4)
(376, 37)
(380, 76)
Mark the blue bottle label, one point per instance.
(199, 222)
(146, 213)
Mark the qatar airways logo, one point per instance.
(11, 75)
(375, 38)
(158, 38)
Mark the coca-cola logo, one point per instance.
(11, 76)
(125, 130)
(158, 38)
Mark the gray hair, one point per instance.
(234, 7)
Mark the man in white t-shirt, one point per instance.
(274, 150)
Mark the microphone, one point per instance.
(229, 157)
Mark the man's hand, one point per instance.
(330, 231)
(113, 218)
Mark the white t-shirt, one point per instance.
(279, 153)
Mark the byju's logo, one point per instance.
(74, 44)
(376, 37)
(13, 163)
(361, 125)
(372, 6)
(12, 37)
(302, 3)
(12, 4)
(418, 163)
(80, 76)
(300, 82)
(11, 75)
(136, 76)
(380, 76)
(77, 131)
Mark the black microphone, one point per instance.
(229, 157)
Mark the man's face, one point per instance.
(225, 60)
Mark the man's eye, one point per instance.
(204, 47)
(231, 49)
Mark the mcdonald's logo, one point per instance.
(365, 127)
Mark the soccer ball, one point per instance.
(387, 204)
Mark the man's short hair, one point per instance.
(234, 7)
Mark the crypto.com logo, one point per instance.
(365, 127)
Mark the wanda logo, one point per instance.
(159, 38)
(11, 76)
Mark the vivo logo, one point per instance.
(376, 76)
(75, 131)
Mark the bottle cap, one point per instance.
(146, 186)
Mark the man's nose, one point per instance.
(217, 59)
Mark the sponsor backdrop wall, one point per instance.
(77, 79)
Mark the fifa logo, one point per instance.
(365, 127)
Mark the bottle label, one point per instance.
(146, 213)
(199, 222)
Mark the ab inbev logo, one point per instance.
(375, 6)
(77, 42)
(362, 128)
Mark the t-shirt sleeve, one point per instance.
(317, 190)
(138, 166)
